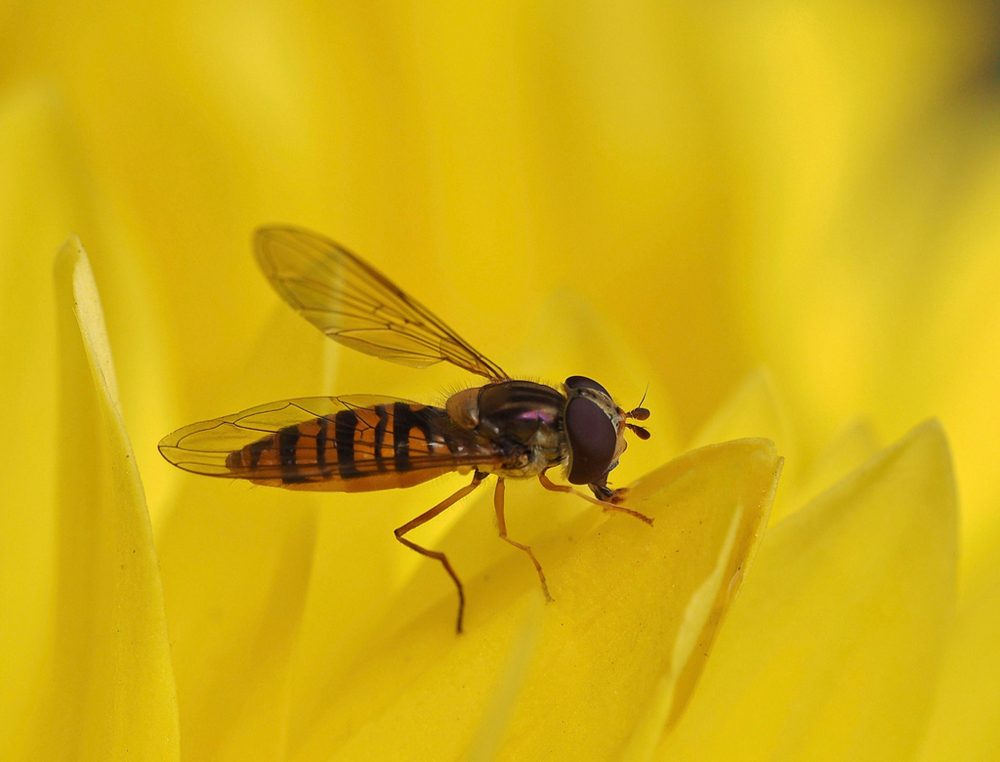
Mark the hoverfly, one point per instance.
(508, 428)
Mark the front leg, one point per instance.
(605, 494)
(605, 504)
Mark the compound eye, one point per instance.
(582, 382)
(592, 440)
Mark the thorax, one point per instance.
(521, 419)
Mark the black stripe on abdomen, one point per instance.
(256, 450)
(380, 427)
(401, 425)
(288, 440)
(324, 425)
(405, 419)
(346, 423)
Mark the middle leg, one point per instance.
(498, 505)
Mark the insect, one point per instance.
(506, 427)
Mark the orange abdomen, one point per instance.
(359, 449)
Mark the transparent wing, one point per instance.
(353, 303)
(371, 442)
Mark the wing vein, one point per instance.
(343, 296)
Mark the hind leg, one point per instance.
(423, 518)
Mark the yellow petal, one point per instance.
(855, 444)
(111, 690)
(635, 612)
(833, 649)
(236, 564)
(752, 409)
(967, 715)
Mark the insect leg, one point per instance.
(423, 518)
(548, 484)
(498, 504)
(605, 494)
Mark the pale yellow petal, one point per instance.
(635, 612)
(111, 689)
(236, 565)
(833, 649)
(754, 409)
(967, 713)
(751, 410)
(849, 449)
(499, 707)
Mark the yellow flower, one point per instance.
(651, 196)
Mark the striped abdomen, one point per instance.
(397, 444)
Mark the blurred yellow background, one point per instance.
(811, 189)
